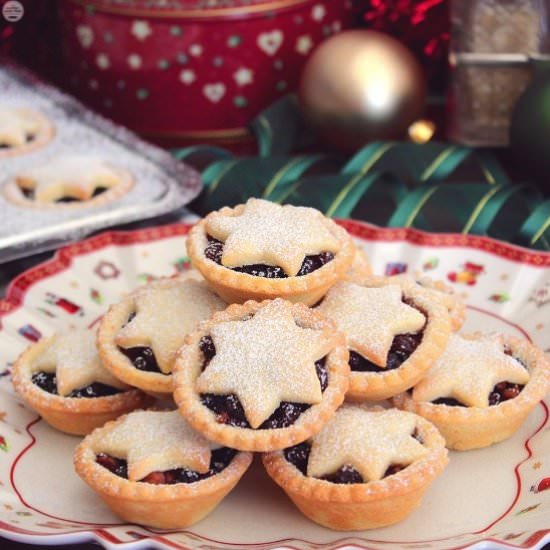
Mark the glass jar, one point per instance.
(493, 43)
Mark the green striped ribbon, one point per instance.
(398, 184)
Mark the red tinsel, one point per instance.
(422, 25)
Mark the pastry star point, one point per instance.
(268, 233)
(156, 441)
(15, 125)
(164, 317)
(370, 317)
(370, 441)
(74, 358)
(72, 175)
(266, 360)
(469, 369)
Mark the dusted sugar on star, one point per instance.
(271, 234)
(74, 359)
(469, 369)
(15, 126)
(164, 315)
(76, 176)
(370, 317)
(266, 360)
(152, 441)
(368, 440)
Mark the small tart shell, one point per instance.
(187, 369)
(236, 287)
(358, 506)
(12, 192)
(44, 134)
(377, 386)
(467, 428)
(72, 415)
(445, 293)
(162, 506)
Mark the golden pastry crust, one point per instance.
(13, 191)
(187, 369)
(161, 506)
(44, 134)
(360, 266)
(368, 505)
(113, 321)
(467, 428)
(377, 386)
(236, 287)
(77, 416)
(445, 293)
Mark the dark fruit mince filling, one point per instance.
(214, 251)
(402, 347)
(47, 381)
(28, 139)
(229, 410)
(29, 194)
(219, 460)
(503, 391)
(142, 358)
(299, 456)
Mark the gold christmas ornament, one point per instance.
(360, 86)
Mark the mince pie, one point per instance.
(394, 331)
(442, 292)
(68, 181)
(63, 379)
(366, 468)
(22, 130)
(261, 376)
(139, 336)
(152, 468)
(262, 250)
(481, 389)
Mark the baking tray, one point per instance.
(161, 183)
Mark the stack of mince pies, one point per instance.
(352, 386)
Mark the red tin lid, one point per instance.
(188, 8)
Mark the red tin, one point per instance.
(180, 71)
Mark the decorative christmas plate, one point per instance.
(497, 497)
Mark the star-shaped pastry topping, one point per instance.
(370, 317)
(74, 358)
(164, 315)
(15, 126)
(156, 441)
(266, 360)
(368, 440)
(76, 176)
(469, 369)
(267, 233)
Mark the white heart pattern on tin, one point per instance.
(214, 92)
(270, 42)
(85, 35)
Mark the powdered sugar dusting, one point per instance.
(165, 314)
(468, 370)
(265, 360)
(368, 440)
(15, 126)
(154, 441)
(72, 355)
(71, 175)
(370, 317)
(268, 233)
